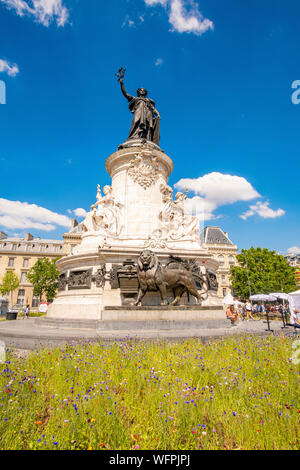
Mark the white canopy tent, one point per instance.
(294, 301)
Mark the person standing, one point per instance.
(26, 312)
(248, 307)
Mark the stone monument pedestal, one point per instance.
(136, 213)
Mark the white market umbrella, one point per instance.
(281, 296)
(263, 298)
(258, 297)
(270, 298)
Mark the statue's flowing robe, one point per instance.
(144, 125)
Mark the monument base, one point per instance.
(154, 318)
(90, 283)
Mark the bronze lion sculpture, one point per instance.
(153, 276)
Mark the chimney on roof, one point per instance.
(74, 223)
(28, 237)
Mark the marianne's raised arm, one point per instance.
(127, 96)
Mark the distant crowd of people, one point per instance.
(247, 310)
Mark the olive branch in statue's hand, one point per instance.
(121, 74)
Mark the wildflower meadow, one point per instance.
(234, 393)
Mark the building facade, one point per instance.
(224, 251)
(19, 255)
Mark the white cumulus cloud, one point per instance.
(184, 16)
(158, 62)
(264, 210)
(156, 2)
(43, 11)
(11, 69)
(80, 212)
(22, 215)
(216, 189)
(293, 250)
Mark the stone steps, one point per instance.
(162, 325)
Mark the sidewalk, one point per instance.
(27, 335)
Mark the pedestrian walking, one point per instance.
(26, 312)
(248, 308)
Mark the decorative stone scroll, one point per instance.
(143, 170)
(156, 240)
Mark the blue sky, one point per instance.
(221, 75)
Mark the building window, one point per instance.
(56, 249)
(25, 263)
(43, 248)
(11, 262)
(14, 247)
(28, 248)
(224, 292)
(23, 278)
(21, 297)
(221, 260)
(35, 302)
(231, 260)
(223, 278)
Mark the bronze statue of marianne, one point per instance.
(146, 119)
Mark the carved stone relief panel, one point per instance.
(80, 279)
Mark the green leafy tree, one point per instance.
(10, 283)
(262, 270)
(44, 276)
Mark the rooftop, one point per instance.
(214, 236)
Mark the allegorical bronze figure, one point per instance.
(146, 119)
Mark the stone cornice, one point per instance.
(29, 254)
(125, 156)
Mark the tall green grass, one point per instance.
(236, 393)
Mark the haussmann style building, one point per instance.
(224, 251)
(19, 255)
